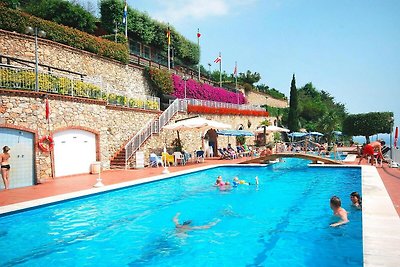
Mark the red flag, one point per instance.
(47, 109)
(235, 70)
(198, 33)
(217, 60)
(396, 136)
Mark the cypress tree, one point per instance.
(293, 119)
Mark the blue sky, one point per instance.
(350, 48)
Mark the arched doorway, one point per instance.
(21, 144)
(74, 151)
(212, 138)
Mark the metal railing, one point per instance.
(23, 78)
(153, 127)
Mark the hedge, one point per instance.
(14, 20)
(226, 111)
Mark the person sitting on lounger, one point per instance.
(338, 211)
(369, 150)
(187, 225)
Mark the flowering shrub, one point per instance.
(204, 91)
(14, 20)
(161, 80)
(230, 111)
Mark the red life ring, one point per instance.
(46, 143)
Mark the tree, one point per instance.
(293, 119)
(328, 123)
(62, 12)
(264, 124)
(249, 77)
(368, 124)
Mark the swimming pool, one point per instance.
(282, 222)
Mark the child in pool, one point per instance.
(356, 200)
(338, 211)
(219, 181)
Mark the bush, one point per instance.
(149, 31)
(121, 39)
(13, 20)
(160, 80)
(62, 12)
(204, 91)
(226, 111)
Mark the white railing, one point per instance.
(153, 127)
(214, 104)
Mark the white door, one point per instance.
(74, 151)
(21, 160)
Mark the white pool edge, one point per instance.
(381, 223)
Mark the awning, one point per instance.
(197, 123)
(234, 133)
(272, 129)
(316, 134)
(297, 134)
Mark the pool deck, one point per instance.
(380, 190)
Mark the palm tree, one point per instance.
(264, 124)
(328, 123)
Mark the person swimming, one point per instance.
(219, 181)
(187, 225)
(356, 200)
(338, 211)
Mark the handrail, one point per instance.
(153, 127)
(215, 104)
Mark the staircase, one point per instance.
(120, 161)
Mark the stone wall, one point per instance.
(113, 127)
(117, 77)
(258, 98)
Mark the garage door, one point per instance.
(21, 160)
(74, 151)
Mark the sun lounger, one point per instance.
(155, 160)
(166, 157)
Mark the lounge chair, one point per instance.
(169, 159)
(224, 154)
(179, 158)
(155, 160)
(199, 156)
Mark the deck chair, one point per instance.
(199, 156)
(169, 159)
(155, 160)
(179, 158)
(224, 154)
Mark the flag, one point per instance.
(198, 33)
(47, 109)
(218, 59)
(235, 70)
(125, 14)
(396, 136)
(169, 36)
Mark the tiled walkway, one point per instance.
(390, 177)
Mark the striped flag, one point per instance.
(235, 70)
(169, 36)
(218, 59)
(47, 109)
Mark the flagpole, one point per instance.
(220, 70)
(126, 19)
(198, 44)
(169, 48)
(236, 85)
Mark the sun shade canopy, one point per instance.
(235, 133)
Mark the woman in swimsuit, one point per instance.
(5, 166)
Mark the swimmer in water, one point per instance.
(187, 225)
(338, 211)
(356, 200)
(219, 181)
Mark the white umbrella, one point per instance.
(272, 129)
(197, 123)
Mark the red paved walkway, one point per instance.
(390, 177)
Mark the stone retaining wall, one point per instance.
(120, 78)
(114, 127)
(258, 98)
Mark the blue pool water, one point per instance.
(282, 222)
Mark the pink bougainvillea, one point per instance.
(204, 91)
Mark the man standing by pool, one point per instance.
(369, 150)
